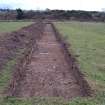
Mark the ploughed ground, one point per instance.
(48, 74)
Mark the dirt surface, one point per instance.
(48, 72)
(11, 44)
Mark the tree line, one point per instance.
(6, 14)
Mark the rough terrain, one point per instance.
(48, 74)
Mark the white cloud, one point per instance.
(56, 4)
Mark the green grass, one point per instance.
(99, 100)
(12, 26)
(6, 74)
(32, 101)
(8, 68)
(87, 42)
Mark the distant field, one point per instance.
(12, 26)
(88, 45)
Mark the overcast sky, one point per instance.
(90, 5)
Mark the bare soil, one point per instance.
(48, 72)
(12, 43)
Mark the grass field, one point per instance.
(87, 42)
(12, 26)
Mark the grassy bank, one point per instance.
(7, 71)
(12, 26)
(87, 42)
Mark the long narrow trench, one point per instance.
(48, 74)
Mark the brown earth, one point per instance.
(11, 44)
(49, 73)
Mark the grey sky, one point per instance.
(90, 5)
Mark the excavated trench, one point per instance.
(48, 71)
